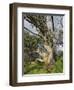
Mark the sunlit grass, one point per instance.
(36, 67)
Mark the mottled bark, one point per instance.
(40, 21)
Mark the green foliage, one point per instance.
(36, 67)
(58, 66)
(31, 41)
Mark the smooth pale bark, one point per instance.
(47, 57)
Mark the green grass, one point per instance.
(58, 67)
(39, 67)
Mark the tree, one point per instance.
(40, 22)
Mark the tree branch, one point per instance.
(32, 32)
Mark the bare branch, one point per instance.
(32, 32)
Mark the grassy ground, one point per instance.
(36, 67)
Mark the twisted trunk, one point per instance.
(42, 22)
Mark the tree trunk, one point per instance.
(47, 55)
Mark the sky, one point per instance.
(30, 27)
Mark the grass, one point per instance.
(36, 67)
